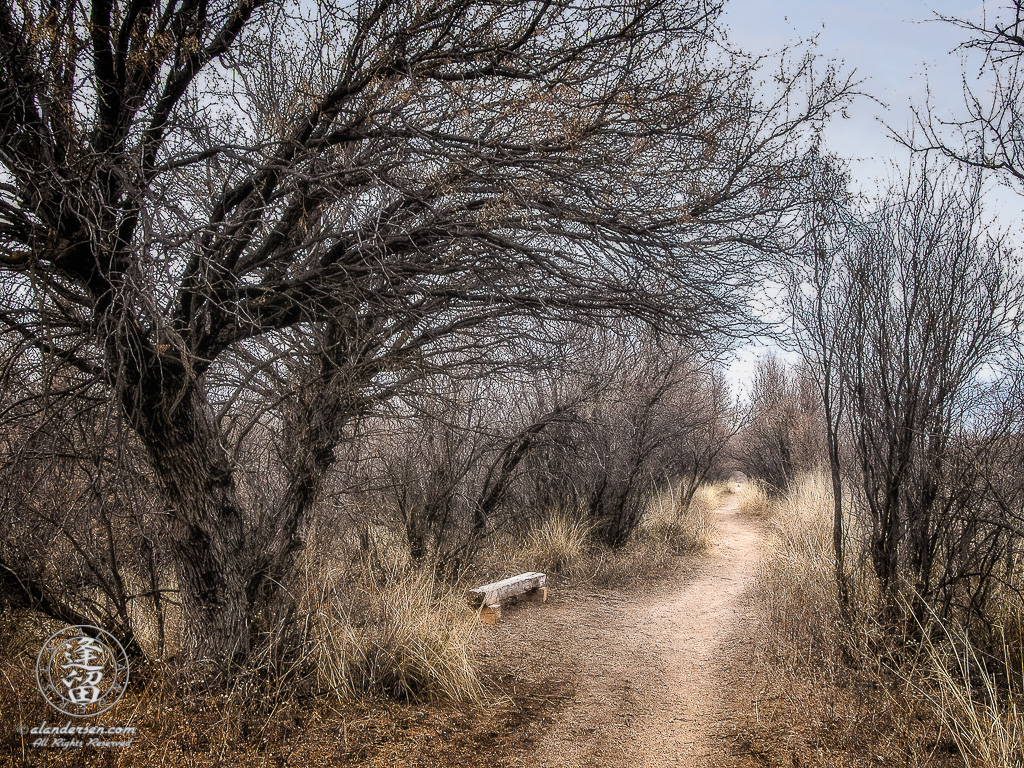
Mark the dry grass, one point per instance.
(823, 700)
(969, 697)
(795, 585)
(248, 727)
(379, 646)
(754, 498)
(805, 629)
(392, 631)
(558, 545)
(561, 543)
(846, 673)
(683, 529)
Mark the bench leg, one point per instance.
(540, 594)
(490, 614)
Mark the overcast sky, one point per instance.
(897, 48)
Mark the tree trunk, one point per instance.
(207, 541)
(205, 529)
(833, 411)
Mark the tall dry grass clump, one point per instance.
(978, 698)
(558, 543)
(390, 631)
(680, 527)
(795, 584)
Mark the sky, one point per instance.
(896, 48)
(900, 52)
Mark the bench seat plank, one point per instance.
(498, 591)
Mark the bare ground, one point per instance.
(654, 677)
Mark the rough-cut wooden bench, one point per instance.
(488, 598)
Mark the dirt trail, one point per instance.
(696, 629)
(651, 670)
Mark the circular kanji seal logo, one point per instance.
(82, 671)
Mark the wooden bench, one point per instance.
(488, 598)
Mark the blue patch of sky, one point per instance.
(904, 57)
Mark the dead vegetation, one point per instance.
(314, 314)
(562, 543)
(841, 687)
(383, 648)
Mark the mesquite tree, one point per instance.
(261, 216)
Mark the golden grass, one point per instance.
(807, 637)
(795, 584)
(683, 529)
(754, 498)
(558, 544)
(395, 632)
(969, 695)
(561, 542)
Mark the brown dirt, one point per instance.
(645, 677)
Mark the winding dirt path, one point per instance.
(697, 630)
(652, 673)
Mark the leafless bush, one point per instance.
(783, 436)
(500, 455)
(662, 419)
(444, 472)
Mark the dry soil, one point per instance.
(649, 676)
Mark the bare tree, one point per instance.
(645, 426)
(991, 135)
(819, 304)
(194, 194)
(925, 307)
(782, 434)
